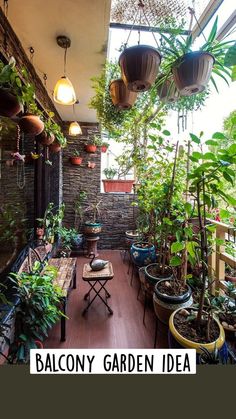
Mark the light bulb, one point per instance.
(74, 129)
(64, 93)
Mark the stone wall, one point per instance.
(117, 213)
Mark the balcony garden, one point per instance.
(124, 199)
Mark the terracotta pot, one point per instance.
(90, 148)
(9, 103)
(189, 344)
(31, 124)
(45, 139)
(230, 278)
(103, 148)
(121, 96)
(76, 160)
(139, 67)
(167, 91)
(165, 305)
(192, 73)
(40, 232)
(55, 147)
(117, 185)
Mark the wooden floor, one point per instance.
(98, 329)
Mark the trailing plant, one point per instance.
(11, 79)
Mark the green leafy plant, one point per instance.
(110, 172)
(37, 311)
(175, 47)
(51, 220)
(11, 79)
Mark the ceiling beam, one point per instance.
(205, 17)
(227, 26)
(143, 28)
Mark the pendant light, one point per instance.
(64, 92)
(74, 128)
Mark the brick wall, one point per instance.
(117, 212)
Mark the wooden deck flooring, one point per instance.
(98, 329)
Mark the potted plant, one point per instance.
(76, 159)
(59, 142)
(11, 100)
(93, 226)
(68, 237)
(51, 221)
(37, 311)
(139, 67)
(31, 120)
(143, 253)
(92, 143)
(192, 70)
(200, 328)
(104, 147)
(225, 308)
(51, 130)
(121, 96)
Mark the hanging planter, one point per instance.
(31, 124)
(192, 72)
(9, 103)
(121, 96)
(117, 185)
(167, 90)
(139, 67)
(46, 138)
(55, 147)
(104, 148)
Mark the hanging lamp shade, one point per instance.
(75, 129)
(64, 92)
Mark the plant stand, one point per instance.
(92, 246)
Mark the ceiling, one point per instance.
(37, 23)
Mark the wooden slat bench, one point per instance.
(66, 278)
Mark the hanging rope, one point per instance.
(20, 168)
(5, 7)
(65, 54)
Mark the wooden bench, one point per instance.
(66, 279)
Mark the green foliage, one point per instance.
(11, 79)
(110, 172)
(79, 209)
(52, 220)
(37, 311)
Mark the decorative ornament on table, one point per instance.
(97, 264)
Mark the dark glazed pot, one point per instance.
(142, 256)
(9, 103)
(192, 73)
(153, 273)
(165, 305)
(31, 124)
(139, 67)
(121, 96)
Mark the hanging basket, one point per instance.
(192, 72)
(167, 90)
(55, 147)
(9, 103)
(45, 139)
(139, 67)
(121, 96)
(31, 124)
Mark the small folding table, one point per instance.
(97, 281)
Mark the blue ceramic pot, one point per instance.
(143, 253)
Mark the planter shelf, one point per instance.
(117, 185)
